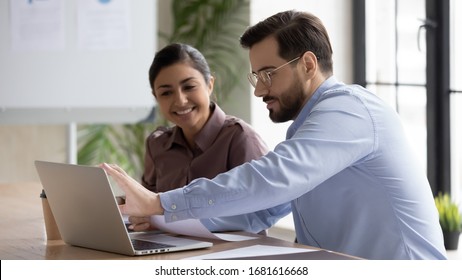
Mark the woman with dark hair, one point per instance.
(203, 142)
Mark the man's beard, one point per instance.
(290, 103)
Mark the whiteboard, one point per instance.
(76, 84)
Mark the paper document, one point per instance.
(104, 25)
(251, 251)
(192, 227)
(37, 25)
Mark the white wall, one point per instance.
(20, 145)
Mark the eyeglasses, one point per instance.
(265, 76)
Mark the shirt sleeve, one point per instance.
(247, 145)
(252, 222)
(338, 132)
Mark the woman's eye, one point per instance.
(165, 93)
(189, 87)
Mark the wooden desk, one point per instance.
(22, 234)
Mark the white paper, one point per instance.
(37, 25)
(195, 228)
(251, 251)
(104, 24)
(192, 227)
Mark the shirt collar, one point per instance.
(327, 84)
(206, 135)
(211, 129)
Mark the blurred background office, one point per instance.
(51, 93)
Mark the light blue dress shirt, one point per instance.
(355, 185)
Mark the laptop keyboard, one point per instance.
(148, 245)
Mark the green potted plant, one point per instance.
(450, 220)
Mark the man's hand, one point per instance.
(139, 201)
(140, 223)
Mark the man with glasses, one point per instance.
(346, 166)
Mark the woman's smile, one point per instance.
(184, 112)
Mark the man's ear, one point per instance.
(309, 64)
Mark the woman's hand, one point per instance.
(139, 201)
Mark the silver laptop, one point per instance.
(86, 212)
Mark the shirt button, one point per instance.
(173, 206)
(210, 201)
